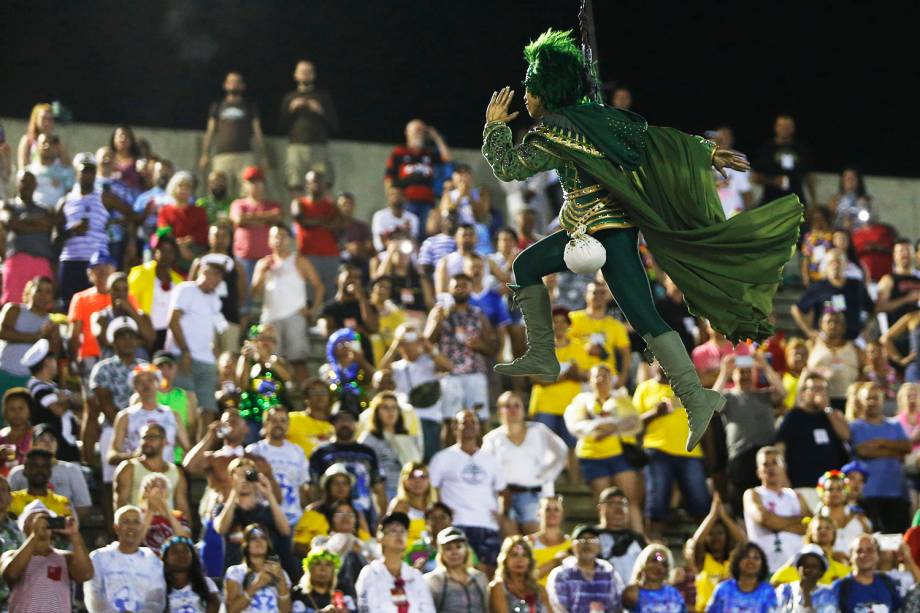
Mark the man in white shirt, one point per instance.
(389, 585)
(287, 460)
(394, 217)
(734, 187)
(470, 481)
(126, 576)
(772, 513)
(195, 315)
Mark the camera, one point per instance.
(57, 523)
(252, 475)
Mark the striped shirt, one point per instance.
(569, 590)
(77, 207)
(44, 585)
(434, 248)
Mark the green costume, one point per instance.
(621, 176)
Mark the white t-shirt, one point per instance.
(265, 600)
(185, 600)
(159, 309)
(199, 312)
(375, 582)
(536, 462)
(138, 417)
(125, 582)
(731, 190)
(779, 546)
(384, 221)
(469, 484)
(291, 470)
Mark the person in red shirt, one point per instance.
(189, 223)
(252, 217)
(319, 222)
(413, 166)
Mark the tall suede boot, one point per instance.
(540, 358)
(701, 403)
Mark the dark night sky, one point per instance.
(843, 69)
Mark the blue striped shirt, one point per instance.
(434, 248)
(78, 206)
(570, 591)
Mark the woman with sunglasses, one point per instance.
(187, 589)
(258, 584)
(649, 588)
(414, 495)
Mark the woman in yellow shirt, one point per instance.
(708, 550)
(550, 544)
(602, 420)
(414, 495)
(822, 531)
(389, 316)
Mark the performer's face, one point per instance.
(534, 105)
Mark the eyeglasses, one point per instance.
(395, 531)
(592, 540)
(344, 514)
(418, 474)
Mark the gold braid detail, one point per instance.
(568, 138)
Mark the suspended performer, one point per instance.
(621, 176)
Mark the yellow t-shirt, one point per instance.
(55, 502)
(313, 523)
(791, 385)
(544, 553)
(614, 332)
(552, 399)
(708, 578)
(787, 573)
(308, 432)
(618, 405)
(383, 338)
(669, 432)
(410, 419)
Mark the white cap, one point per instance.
(36, 353)
(218, 259)
(122, 322)
(30, 509)
(84, 158)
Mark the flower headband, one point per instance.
(831, 475)
(318, 554)
(174, 541)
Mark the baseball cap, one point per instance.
(811, 550)
(253, 173)
(336, 469)
(99, 258)
(218, 259)
(855, 467)
(122, 322)
(33, 508)
(583, 529)
(451, 534)
(395, 518)
(163, 357)
(84, 159)
(36, 353)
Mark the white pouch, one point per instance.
(584, 254)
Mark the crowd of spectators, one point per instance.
(244, 405)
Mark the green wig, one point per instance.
(557, 71)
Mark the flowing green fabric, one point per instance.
(728, 270)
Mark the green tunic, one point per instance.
(660, 180)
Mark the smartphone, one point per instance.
(744, 361)
(57, 523)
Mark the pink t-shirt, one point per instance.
(43, 587)
(910, 427)
(251, 243)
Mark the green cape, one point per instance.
(728, 270)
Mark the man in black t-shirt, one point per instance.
(784, 166)
(619, 545)
(350, 308)
(838, 293)
(812, 435)
(236, 133)
(308, 116)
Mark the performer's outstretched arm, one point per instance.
(510, 163)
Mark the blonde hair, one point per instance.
(811, 534)
(467, 563)
(642, 559)
(37, 110)
(180, 177)
(402, 494)
(530, 576)
(854, 408)
(903, 391)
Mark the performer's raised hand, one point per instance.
(726, 158)
(498, 106)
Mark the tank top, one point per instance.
(843, 363)
(285, 291)
(457, 329)
(10, 353)
(518, 605)
(141, 471)
(544, 553)
(43, 587)
(138, 417)
(712, 573)
(416, 523)
(177, 400)
(903, 284)
(779, 546)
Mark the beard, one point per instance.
(461, 299)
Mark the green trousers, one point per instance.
(623, 272)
